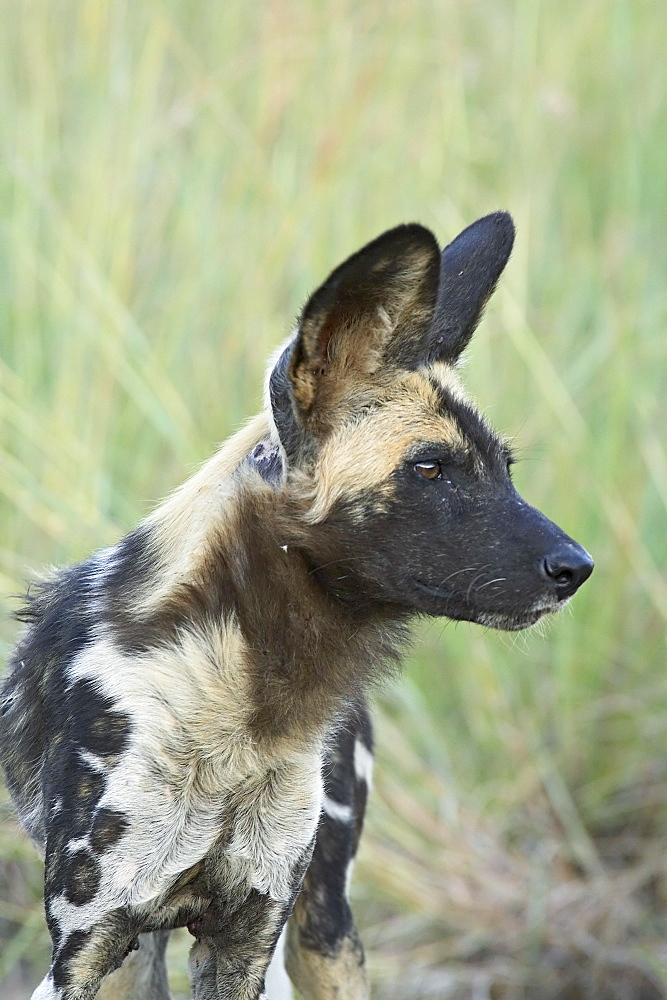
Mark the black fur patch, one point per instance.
(77, 876)
(76, 788)
(109, 826)
(59, 612)
(95, 723)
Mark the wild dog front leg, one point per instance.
(233, 950)
(143, 974)
(83, 957)
(325, 957)
(236, 939)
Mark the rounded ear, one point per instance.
(373, 311)
(469, 271)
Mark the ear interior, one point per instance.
(374, 310)
(470, 268)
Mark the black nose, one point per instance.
(567, 567)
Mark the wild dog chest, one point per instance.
(189, 773)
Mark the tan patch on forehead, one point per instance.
(361, 455)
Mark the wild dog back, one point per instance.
(175, 701)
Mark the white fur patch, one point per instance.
(337, 810)
(363, 763)
(47, 990)
(78, 844)
(92, 760)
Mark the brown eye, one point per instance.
(429, 470)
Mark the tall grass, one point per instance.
(175, 178)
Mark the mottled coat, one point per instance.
(183, 724)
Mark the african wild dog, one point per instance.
(183, 705)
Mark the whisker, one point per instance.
(497, 579)
(474, 580)
(456, 572)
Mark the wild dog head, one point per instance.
(403, 490)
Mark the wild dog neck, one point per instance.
(309, 654)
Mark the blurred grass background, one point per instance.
(176, 177)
